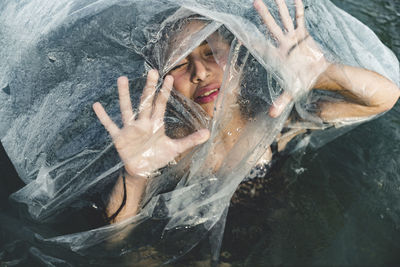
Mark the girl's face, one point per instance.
(199, 76)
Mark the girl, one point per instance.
(143, 145)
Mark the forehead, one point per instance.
(186, 35)
(186, 29)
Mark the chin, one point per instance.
(209, 109)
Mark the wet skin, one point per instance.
(199, 77)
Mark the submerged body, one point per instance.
(330, 202)
(199, 77)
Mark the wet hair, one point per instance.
(252, 98)
(257, 89)
(226, 34)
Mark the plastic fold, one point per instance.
(61, 57)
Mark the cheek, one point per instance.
(182, 85)
(209, 109)
(219, 68)
(221, 60)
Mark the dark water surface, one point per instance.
(339, 205)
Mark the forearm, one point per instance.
(135, 187)
(367, 93)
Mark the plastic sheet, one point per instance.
(62, 57)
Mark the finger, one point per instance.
(192, 140)
(110, 126)
(300, 14)
(124, 100)
(280, 104)
(285, 16)
(147, 97)
(269, 21)
(162, 98)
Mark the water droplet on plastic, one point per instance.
(171, 163)
(51, 58)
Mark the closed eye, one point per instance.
(179, 66)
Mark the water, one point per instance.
(342, 208)
(338, 205)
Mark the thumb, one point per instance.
(279, 105)
(192, 140)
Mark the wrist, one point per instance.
(137, 173)
(112, 216)
(125, 199)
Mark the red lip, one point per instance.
(199, 96)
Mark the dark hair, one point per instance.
(253, 98)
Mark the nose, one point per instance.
(199, 71)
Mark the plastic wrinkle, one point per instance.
(60, 57)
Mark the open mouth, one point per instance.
(207, 93)
(207, 96)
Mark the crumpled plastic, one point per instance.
(63, 56)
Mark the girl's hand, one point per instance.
(299, 59)
(142, 143)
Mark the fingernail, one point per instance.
(276, 110)
(279, 108)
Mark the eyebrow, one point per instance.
(203, 43)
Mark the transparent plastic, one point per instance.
(64, 56)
